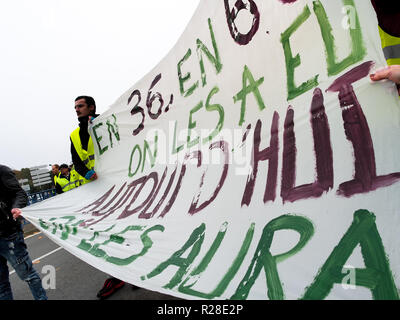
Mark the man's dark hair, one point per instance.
(64, 166)
(89, 101)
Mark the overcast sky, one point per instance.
(53, 50)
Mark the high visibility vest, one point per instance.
(65, 184)
(87, 156)
(56, 177)
(76, 178)
(391, 47)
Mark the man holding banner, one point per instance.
(82, 152)
(12, 245)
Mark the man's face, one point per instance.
(82, 109)
(64, 171)
(54, 169)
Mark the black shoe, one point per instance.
(110, 286)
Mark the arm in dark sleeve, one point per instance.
(58, 189)
(78, 163)
(18, 197)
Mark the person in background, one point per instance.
(12, 245)
(64, 182)
(55, 169)
(82, 152)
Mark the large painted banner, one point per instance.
(256, 161)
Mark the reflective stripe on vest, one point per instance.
(391, 47)
(87, 156)
(65, 184)
(76, 178)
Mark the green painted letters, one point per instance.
(113, 130)
(201, 50)
(214, 107)
(98, 139)
(146, 150)
(190, 281)
(215, 60)
(376, 275)
(176, 149)
(183, 79)
(358, 51)
(294, 62)
(192, 125)
(263, 259)
(252, 87)
(194, 244)
(136, 147)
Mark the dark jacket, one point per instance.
(80, 167)
(11, 196)
(59, 189)
(388, 14)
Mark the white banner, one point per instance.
(256, 161)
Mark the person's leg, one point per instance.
(22, 263)
(5, 287)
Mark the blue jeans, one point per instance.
(13, 250)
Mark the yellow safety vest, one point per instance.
(56, 177)
(76, 178)
(66, 184)
(391, 47)
(87, 156)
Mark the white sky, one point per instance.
(53, 51)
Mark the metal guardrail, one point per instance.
(40, 196)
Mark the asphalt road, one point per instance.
(75, 279)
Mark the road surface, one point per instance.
(75, 279)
